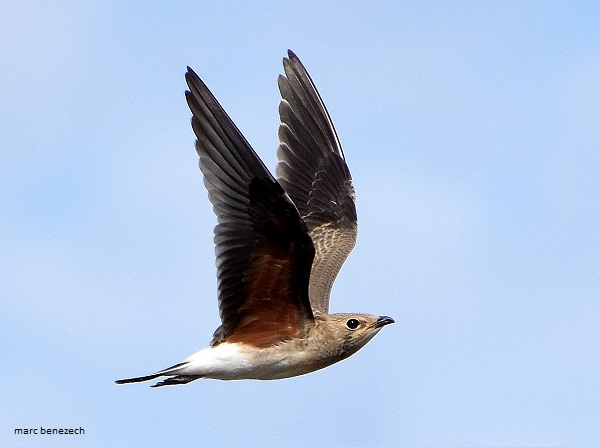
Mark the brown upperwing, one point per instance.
(313, 171)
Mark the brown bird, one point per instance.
(280, 243)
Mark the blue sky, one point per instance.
(472, 130)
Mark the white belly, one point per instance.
(234, 361)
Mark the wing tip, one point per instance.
(292, 55)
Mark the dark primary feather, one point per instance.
(313, 171)
(264, 253)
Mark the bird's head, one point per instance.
(350, 332)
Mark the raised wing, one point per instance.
(313, 171)
(264, 253)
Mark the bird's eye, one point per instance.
(352, 323)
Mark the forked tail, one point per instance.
(176, 380)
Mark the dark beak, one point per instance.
(382, 321)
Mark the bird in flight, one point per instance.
(280, 241)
